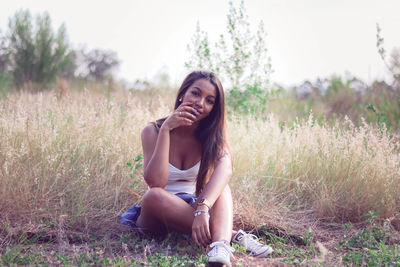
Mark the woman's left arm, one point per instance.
(211, 192)
(218, 180)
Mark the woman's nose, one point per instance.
(199, 103)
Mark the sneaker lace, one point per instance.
(228, 250)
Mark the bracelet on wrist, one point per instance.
(199, 212)
(204, 202)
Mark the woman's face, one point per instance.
(202, 94)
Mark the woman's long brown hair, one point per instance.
(211, 130)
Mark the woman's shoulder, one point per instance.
(151, 128)
(150, 131)
(149, 136)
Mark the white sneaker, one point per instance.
(220, 253)
(250, 243)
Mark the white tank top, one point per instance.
(182, 181)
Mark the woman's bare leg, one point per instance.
(222, 217)
(162, 211)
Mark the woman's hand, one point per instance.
(184, 115)
(201, 229)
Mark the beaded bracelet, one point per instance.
(199, 212)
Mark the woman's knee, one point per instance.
(227, 190)
(154, 197)
(226, 194)
(224, 201)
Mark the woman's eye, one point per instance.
(211, 102)
(195, 93)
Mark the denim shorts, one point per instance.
(130, 216)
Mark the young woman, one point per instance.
(187, 166)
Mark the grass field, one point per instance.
(321, 194)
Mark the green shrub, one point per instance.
(37, 54)
(5, 83)
(240, 59)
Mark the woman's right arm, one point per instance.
(156, 155)
(156, 145)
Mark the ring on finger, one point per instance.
(180, 113)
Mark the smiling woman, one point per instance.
(187, 166)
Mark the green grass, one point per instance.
(293, 249)
(130, 250)
(372, 246)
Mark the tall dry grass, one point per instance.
(63, 161)
(68, 157)
(339, 172)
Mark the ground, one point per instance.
(369, 244)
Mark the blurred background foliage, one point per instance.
(35, 57)
(243, 63)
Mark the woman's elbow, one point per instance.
(154, 181)
(229, 175)
(229, 169)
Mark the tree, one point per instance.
(394, 64)
(97, 63)
(5, 79)
(36, 53)
(241, 60)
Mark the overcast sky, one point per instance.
(306, 38)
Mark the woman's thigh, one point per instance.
(163, 211)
